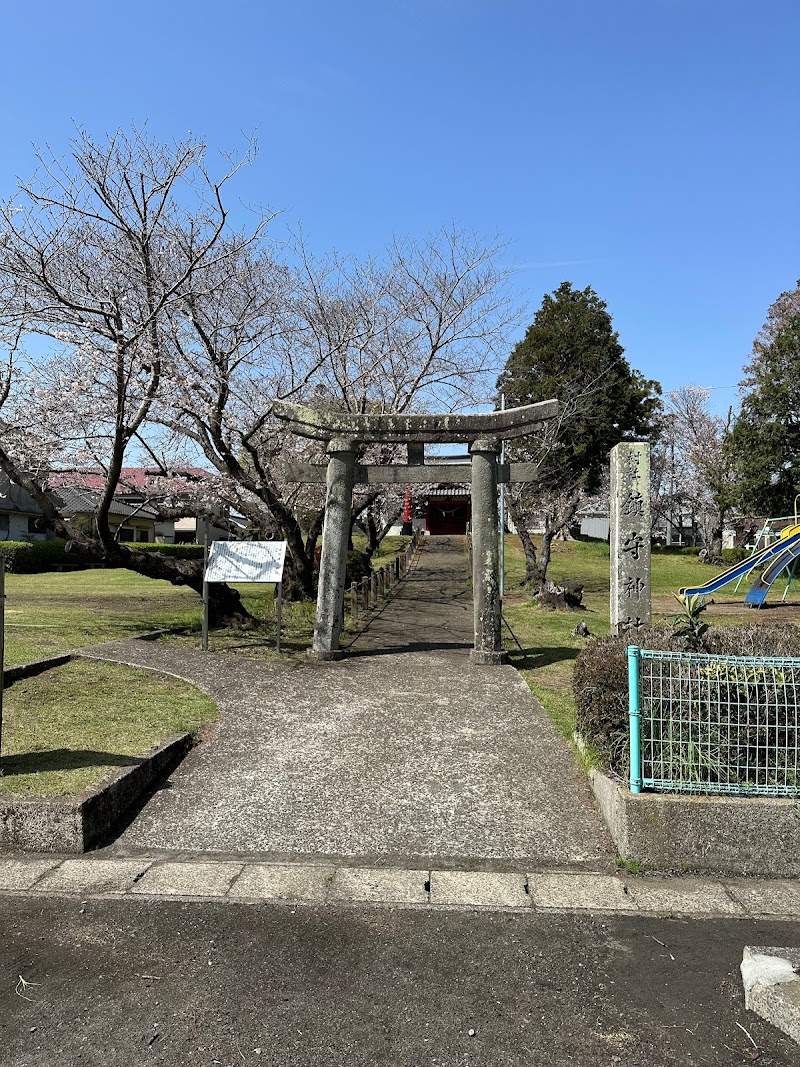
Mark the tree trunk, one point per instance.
(550, 530)
(225, 607)
(528, 547)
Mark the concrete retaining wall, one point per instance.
(729, 835)
(78, 823)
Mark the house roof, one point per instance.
(14, 499)
(83, 501)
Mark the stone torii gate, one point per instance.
(346, 434)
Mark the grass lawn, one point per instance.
(549, 647)
(51, 613)
(72, 726)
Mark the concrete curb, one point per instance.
(772, 986)
(37, 666)
(243, 880)
(78, 823)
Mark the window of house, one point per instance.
(142, 535)
(126, 533)
(32, 529)
(3, 524)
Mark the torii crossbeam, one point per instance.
(347, 433)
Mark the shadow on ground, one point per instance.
(529, 658)
(63, 759)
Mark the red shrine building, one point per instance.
(446, 510)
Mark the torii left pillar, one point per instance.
(485, 529)
(336, 537)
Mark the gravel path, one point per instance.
(388, 754)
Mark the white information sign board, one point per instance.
(245, 561)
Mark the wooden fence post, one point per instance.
(354, 601)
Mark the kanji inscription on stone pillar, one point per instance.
(630, 539)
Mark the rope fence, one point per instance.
(372, 589)
(714, 724)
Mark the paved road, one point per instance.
(176, 983)
(388, 755)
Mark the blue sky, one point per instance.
(648, 148)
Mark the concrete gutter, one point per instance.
(772, 986)
(241, 879)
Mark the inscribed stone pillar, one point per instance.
(335, 539)
(486, 553)
(630, 539)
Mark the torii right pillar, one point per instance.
(485, 528)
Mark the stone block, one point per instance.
(589, 892)
(684, 896)
(479, 889)
(93, 876)
(188, 879)
(21, 874)
(384, 885)
(772, 986)
(293, 882)
(773, 897)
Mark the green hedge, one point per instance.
(735, 555)
(600, 681)
(32, 557)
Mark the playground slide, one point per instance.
(790, 553)
(738, 570)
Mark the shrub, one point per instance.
(600, 681)
(33, 557)
(734, 555)
(358, 566)
(14, 553)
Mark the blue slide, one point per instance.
(775, 552)
(789, 554)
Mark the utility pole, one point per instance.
(502, 512)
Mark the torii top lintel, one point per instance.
(405, 429)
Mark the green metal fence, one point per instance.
(714, 724)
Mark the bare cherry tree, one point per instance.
(418, 328)
(95, 252)
(694, 461)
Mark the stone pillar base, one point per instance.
(323, 656)
(492, 659)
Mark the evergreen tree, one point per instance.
(765, 442)
(571, 351)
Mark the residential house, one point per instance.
(18, 514)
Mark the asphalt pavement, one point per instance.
(107, 982)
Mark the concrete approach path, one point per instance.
(402, 752)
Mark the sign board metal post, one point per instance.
(205, 597)
(278, 612)
(245, 561)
